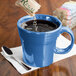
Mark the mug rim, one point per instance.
(28, 16)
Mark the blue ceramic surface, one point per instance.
(39, 47)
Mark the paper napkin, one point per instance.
(62, 42)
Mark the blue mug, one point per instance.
(39, 47)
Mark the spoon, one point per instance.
(9, 53)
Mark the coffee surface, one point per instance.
(42, 26)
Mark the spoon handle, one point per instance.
(9, 53)
(22, 63)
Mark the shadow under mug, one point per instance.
(39, 47)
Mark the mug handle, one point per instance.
(65, 50)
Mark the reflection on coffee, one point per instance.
(41, 26)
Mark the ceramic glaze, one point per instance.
(39, 47)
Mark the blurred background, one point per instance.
(9, 14)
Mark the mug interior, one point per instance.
(40, 17)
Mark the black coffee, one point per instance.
(42, 26)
